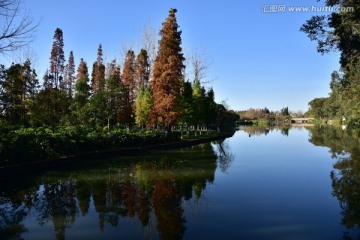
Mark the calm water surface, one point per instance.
(262, 183)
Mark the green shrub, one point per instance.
(33, 144)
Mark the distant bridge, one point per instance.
(302, 120)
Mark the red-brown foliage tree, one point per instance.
(98, 72)
(168, 74)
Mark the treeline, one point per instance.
(140, 93)
(73, 110)
(263, 116)
(339, 31)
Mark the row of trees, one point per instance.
(136, 93)
(339, 31)
(266, 114)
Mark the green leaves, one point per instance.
(34, 144)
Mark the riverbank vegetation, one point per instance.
(139, 102)
(264, 116)
(339, 31)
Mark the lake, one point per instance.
(262, 183)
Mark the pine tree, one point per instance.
(98, 72)
(57, 59)
(168, 73)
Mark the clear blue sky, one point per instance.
(258, 59)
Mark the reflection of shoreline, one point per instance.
(344, 147)
(89, 156)
(302, 124)
(264, 130)
(149, 189)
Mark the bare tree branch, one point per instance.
(200, 64)
(149, 42)
(17, 27)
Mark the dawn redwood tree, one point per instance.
(114, 95)
(142, 72)
(69, 77)
(128, 80)
(57, 58)
(82, 70)
(82, 88)
(168, 74)
(82, 94)
(98, 72)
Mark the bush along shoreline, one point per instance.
(27, 145)
(36, 146)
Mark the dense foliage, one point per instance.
(266, 117)
(33, 144)
(339, 31)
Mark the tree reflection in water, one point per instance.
(150, 188)
(225, 156)
(345, 148)
(265, 130)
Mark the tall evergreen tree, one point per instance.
(115, 111)
(168, 73)
(98, 72)
(188, 104)
(128, 79)
(82, 70)
(57, 58)
(142, 72)
(211, 108)
(69, 75)
(82, 88)
(47, 80)
(82, 92)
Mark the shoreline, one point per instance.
(81, 157)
